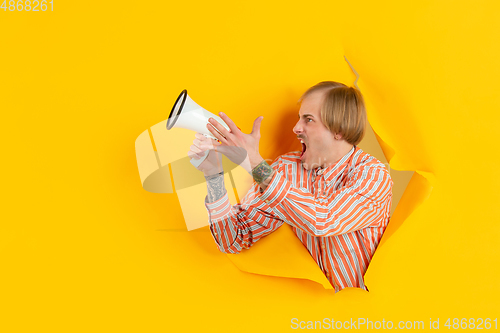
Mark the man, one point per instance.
(336, 197)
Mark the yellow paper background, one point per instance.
(83, 246)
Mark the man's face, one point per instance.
(317, 140)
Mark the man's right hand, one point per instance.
(213, 163)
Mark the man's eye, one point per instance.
(309, 119)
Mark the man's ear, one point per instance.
(337, 136)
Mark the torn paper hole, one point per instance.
(165, 168)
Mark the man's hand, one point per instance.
(235, 143)
(213, 163)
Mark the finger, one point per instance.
(217, 134)
(215, 142)
(200, 152)
(210, 141)
(256, 126)
(205, 144)
(192, 154)
(195, 149)
(222, 130)
(208, 145)
(204, 138)
(197, 143)
(232, 126)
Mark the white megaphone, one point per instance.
(187, 114)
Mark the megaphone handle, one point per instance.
(196, 163)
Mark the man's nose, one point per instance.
(297, 129)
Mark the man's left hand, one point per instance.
(236, 138)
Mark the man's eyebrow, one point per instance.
(306, 115)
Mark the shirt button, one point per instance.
(323, 246)
(266, 201)
(214, 211)
(215, 234)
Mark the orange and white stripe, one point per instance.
(339, 213)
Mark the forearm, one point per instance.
(298, 207)
(215, 187)
(237, 227)
(262, 173)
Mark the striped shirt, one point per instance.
(339, 213)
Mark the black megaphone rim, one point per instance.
(172, 118)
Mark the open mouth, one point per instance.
(304, 148)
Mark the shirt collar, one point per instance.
(333, 170)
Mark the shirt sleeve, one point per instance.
(364, 201)
(237, 227)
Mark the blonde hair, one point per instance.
(343, 110)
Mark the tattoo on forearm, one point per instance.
(215, 186)
(261, 172)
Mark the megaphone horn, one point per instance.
(187, 114)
